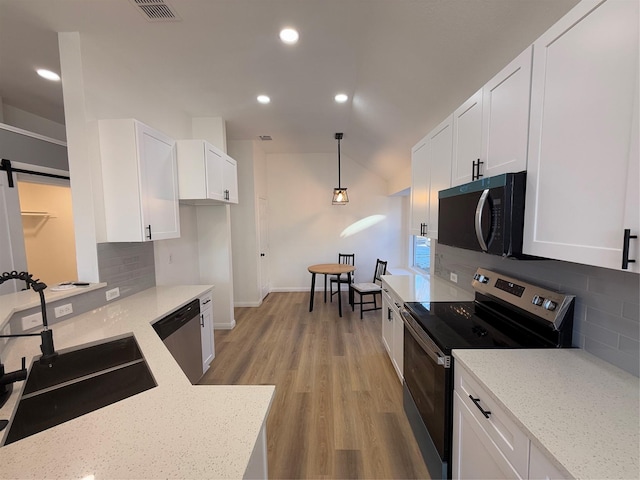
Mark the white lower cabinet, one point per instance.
(487, 444)
(206, 324)
(540, 467)
(474, 453)
(393, 328)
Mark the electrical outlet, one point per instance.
(453, 277)
(31, 321)
(113, 293)
(63, 310)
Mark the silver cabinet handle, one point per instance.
(479, 209)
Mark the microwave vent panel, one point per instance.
(156, 10)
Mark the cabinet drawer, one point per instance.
(507, 436)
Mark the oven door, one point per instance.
(428, 397)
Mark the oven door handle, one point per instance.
(427, 345)
(479, 209)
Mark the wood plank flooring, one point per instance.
(337, 411)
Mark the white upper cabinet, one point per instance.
(582, 175)
(440, 153)
(490, 130)
(230, 179)
(419, 187)
(140, 182)
(430, 173)
(207, 175)
(467, 139)
(505, 118)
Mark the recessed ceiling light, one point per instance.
(48, 74)
(289, 36)
(263, 99)
(341, 97)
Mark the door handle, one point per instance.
(479, 209)
(148, 228)
(486, 413)
(625, 249)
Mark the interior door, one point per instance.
(264, 246)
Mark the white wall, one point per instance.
(304, 228)
(176, 260)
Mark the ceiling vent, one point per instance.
(265, 138)
(156, 10)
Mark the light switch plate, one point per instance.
(453, 277)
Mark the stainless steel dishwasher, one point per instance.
(180, 332)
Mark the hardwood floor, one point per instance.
(337, 411)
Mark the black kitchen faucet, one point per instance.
(48, 351)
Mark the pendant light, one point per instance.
(340, 196)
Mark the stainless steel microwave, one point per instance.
(486, 215)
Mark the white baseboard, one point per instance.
(225, 326)
(247, 304)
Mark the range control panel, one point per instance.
(546, 304)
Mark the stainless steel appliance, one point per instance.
(180, 332)
(486, 215)
(506, 313)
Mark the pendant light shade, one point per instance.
(340, 196)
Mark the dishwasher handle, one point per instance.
(174, 321)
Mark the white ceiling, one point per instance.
(405, 64)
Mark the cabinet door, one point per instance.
(583, 100)
(214, 161)
(439, 169)
(230, 178)
(467, 139)
(387, 324)
(475, 456)
(398, 343)
(541, 468)
(419, 187)
(206, 323)
(159, 184)
(505, 123)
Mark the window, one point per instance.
(421, 253)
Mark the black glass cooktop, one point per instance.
(470, 325)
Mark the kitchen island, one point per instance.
(174, 430)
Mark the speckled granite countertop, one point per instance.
(580, 411)
(425, 288)
(175, 430)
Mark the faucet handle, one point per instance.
(24, 363)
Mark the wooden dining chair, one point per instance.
(347, 259)
(369, 289)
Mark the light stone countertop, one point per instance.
(581, 412)
(425, 288)
(175, 430)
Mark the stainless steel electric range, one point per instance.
(506, 313)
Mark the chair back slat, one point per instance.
(347, 258)
(381, 269)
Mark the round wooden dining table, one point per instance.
(329, 269)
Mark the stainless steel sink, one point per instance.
(77, 383)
